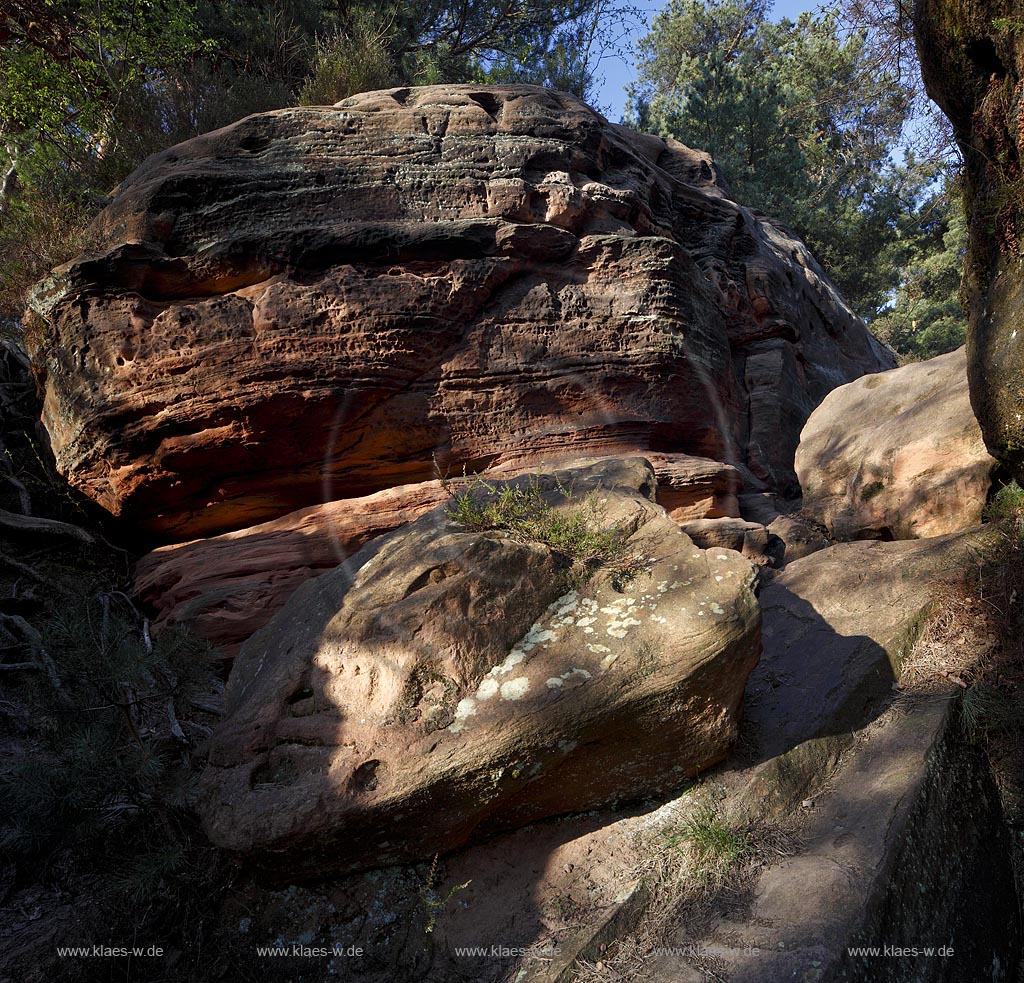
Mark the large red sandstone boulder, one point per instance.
(897, 455)
(316, 303)
(447, 681)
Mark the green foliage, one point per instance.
(925, 318)
(80, 91)
(523, 512)
(1009, 25)
(433, 903)
(97, 801)
(802, 119)
(1006, 509)
(358, 60)
(985, 710)
(558, 44)
(716, 847)
(95, 771)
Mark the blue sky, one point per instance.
(618, 73)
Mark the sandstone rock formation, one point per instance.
(837, 626)
(792, 537)
(748, 538)
(276, 314)
(447, 681)
(897, 455)
(226, 587)
(973, 66)
(878, 795)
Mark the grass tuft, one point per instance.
(1006, 509)
(715, 846)
(524, 513)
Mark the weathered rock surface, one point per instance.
(792, 537)
(897, 821)
(696, 487)
(837, 625)
(444, 681)
(275, 315)
(897, 455)
(748, 538)
(226, 587)
(907, 851)
(973, 66)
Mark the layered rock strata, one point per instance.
(321, 303)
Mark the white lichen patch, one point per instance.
(609, 660)
(511, 661)
(565, 609)
(515, 689)
(567, 602)
(574, 677)
(598, 649)
(535, 636)
(617, 606)
(466, 708)
(487, 688)
(620, 627)
(717, 608)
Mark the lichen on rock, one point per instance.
(486, 698)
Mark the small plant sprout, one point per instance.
(432, 901)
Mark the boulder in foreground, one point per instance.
(446, 681)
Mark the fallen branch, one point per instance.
(213, 705)
(35, 642)
(29, 571)
(32, 525)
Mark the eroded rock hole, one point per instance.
(488, 102)
(983, 55)
(364, 778)
(302, 693)
(254, 142)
